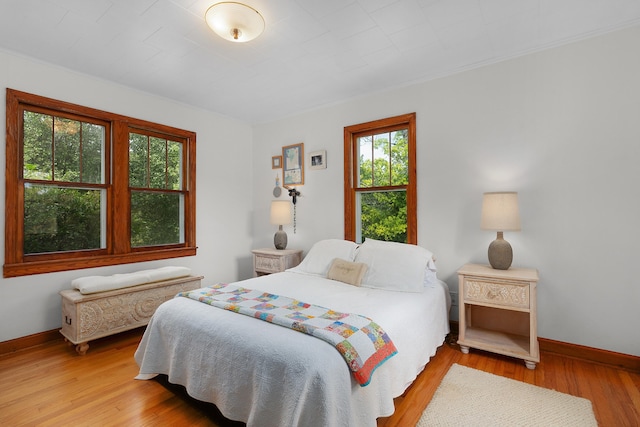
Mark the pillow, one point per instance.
(322, 254)
(394, 266)
(347, 272)
(430, 275)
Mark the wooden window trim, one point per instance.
(350, 172)
(118, 249)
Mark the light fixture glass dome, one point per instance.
(234, 21)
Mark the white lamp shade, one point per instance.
(280, 212)
(500, 212)
(235, 22)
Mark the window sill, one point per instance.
(52, 266)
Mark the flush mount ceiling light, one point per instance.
(235, 22)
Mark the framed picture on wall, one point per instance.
(293, 164)
(318, 159)
(276, 162)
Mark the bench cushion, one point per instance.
(93, 284)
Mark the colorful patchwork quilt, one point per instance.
(361, 342)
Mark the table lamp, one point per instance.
(280, 215)
(500, 213)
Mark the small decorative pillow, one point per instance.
(346, 271)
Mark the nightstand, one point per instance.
(267, 261)
(498, 311)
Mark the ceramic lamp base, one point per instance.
(500, 253)
(280, 239)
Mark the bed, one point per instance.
(268, 375)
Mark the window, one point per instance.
(155, 182)
(380, 180)
(87, 188)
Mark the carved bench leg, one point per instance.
(82, 348)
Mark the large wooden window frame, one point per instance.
(118, 248)
(351, 133)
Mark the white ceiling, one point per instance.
(312, 53)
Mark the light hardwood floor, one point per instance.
(50, 385)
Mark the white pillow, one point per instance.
(322, 254)
(430, 272)
(394, 266)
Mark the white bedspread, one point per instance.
(267, 375)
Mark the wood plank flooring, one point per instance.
(50, 385)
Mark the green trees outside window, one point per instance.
(383, 166)
(380, 180)
(60, 155)
(155, 164)
(87, 188)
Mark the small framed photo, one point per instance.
(293, 164)
(276, 162)
(318, 159)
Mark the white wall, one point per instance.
(31, 304)
(561, 127)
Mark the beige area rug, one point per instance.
(468, 397)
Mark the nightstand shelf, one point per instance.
(501, 342)
(498, 311)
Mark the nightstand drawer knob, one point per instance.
(67, 320)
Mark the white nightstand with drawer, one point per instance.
(498, 311)
(267, 261)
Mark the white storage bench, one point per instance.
(88, 317)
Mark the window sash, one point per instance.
(154, 224)
(55, 137)
(396, 232)
(377, 156)
(49, 224)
